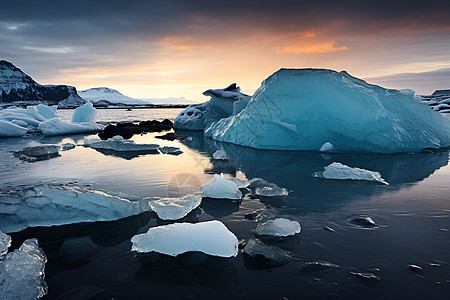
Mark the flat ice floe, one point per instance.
(301, 109)
(52, 206)
(22, 272)
(221, 188)
(175, 208)
(38, 152)
(211, 238)
(340, 171)
(119, 144)
(279, 227)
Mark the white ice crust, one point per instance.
(301, 109)
(279, 227)
(118, 143)
(221, 188)
(5, 243)
(212, 238)
(52, 206)
(337, 170)
(22, 273)
(175, 208)
(223, 103)
(84, 113)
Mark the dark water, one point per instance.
(93, 261)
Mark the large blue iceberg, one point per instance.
(302, 109)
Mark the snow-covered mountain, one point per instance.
(170, 100)
(110, 95)
(16, 87)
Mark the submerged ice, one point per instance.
(211, 238)
(304, 109)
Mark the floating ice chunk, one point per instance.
(223, 103)
(119, 144)
(48, 112)
(337, 170)
(9, 129)
(267, 255)
(241, 184)
(221, 188)
(57, 127)
(267, 189)
(174, 209)
(278, 227)
(67, 146)
(84, 113)
(211, 238)
(327, 147)
(365, 276)
(220, 155)
(41, 150)
(53, 206)
(170, 150)
(324, 105)
(317, 266)
(364, 221)
(5, 243)
(22, 273)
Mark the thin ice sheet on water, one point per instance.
(212, 238)
(119, 144)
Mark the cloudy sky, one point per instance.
(172, 48)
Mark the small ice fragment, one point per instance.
(315, 266)
(84, 113)
(211, 238)
(364, 221)
(366, 276)
(328, 228)
(221, 188)
(273, 256)
(5, 243)
(67, 146)
(119, 145)
(170, 150)
(267, 189)
(22, 272)
(220, 155)
(337, 170)
(327, 147)
(40, 150)
(414, 268)
(174, 209)
(279, 227)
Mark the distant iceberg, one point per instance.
(302, 109)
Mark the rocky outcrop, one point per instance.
(16, 87)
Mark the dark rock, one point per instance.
(317, 266)
(171, 136)
(127, 130)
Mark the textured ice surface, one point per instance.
(241, 183)
(272, 254)
(278, 227)
(303, 109)
(267, 189)
(364, 221)
(119, 144)
(223, 103)
(48, 112)
(170, 150)
(22, 273)
(10, 129)
(57, 127)
(337, 170)
(40, 150)
(67, 146)
(5, 242)
(175, 208)
(220, 188)
(220, 155)
(211, 238)
(85, 113)
(52, 206)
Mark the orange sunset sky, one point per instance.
(155, 49)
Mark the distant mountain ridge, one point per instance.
(16, 87)
(111, 95)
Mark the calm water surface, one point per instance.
(412, 214)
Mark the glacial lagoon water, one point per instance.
(93, 261)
